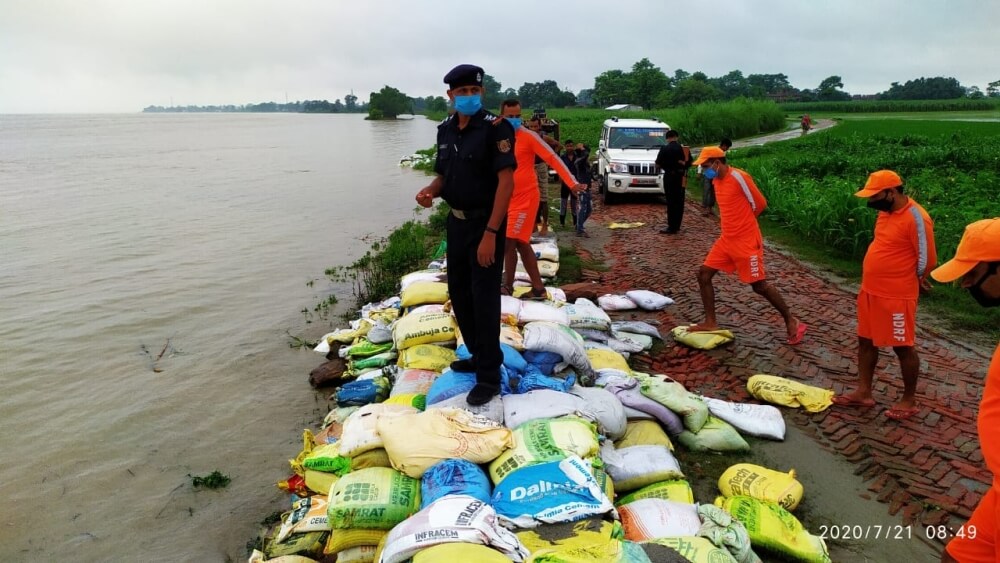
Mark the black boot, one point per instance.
(465, 366)
(481, 394)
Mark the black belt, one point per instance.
(470, 213)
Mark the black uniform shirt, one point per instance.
(470, 158)
(670, 158)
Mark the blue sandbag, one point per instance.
(360, 393)
(449, 384)
(544, 361)
(454, 477)
(533, 379)
(512, 359)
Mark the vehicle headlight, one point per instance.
(619, 167)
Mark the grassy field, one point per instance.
(884, 106)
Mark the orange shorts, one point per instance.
(976, 541)
(886, 321)
(521, 215)
(749, 264)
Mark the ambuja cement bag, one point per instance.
(747, 479)
(423, 328)
(704, 340)
(789, 393)
(423, 292)
(427, 357)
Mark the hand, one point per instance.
(486, 250)
(425, 198)
(925, 286)
(579, 188)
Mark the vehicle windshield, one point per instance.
(636, 138)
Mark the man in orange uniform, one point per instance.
(523, 206)
(740, 248)
(977, 262)
(895, 268)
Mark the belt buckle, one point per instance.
(458, 213)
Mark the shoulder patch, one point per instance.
(503, 145)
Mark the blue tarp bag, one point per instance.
(544, 361)
(454, 477)
(450, 384)
(533, 379)
(360, 393)
(512, 359)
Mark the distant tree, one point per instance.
(388, 103)
(680, 74)
(541, 94)
(509, 93)
(993, 89)
(565, 99)
(763, 84)
(829, 90)
(647, 80)
(436, 104)
(338, 106)
(699, 76)
(351, 102)
(585, 97)
(611, 87)
(732, 85)
(974, 93)
(693, 91)
(492, 96)
(936, 88)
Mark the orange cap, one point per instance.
(878, 181)
(709, 152)
(980, 243)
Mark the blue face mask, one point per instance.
(468, 105)
(515, 122)
(710, 173)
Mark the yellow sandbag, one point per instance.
(543, 440)
(677, 490)
(625, 225)
(258, 557)
(416, 400)
(319, 481)
(789, 393)
(308, 445)
(327, 458)
(761, 483)
(355, 537)
(459, 552)
(372, 458)
(348, 335)
(423, 328)
(696, 549)
(589, 531)
(359, 554)
(422, 292)
(511, 336)
(702, 340)
(426, 356)
(308, 544)
(644, 433)
(776, 529)
(607, 359)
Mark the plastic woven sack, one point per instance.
(747, 479)
(725, 531)
(374, 498)
(775, 529)
(610, 302)
(459, 552)
(649, 300)
(558, 491)
(705, 340)
(584, 314)
(635, 467)
(671, 394)
(541, 404)
(542, 441)
(450, 384)
(423, 292)
(695, 549)
(651, 518)
(763, 421)
(604, 407)
(426, 356)
(677, 490)
(359, 434)
(562, 340)
(423, 328)
(644, 433)
(716, 436)
(630, 394)
(359, 393)
(454, 477)
(789, 393)
(413, 382)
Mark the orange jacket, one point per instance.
(740, 202)
(527, 144)
(902, 253)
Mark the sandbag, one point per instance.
(651, 518)
(427, 357)
(540, 404)
(626, 346)
(360, 434)
(426, 308)
(343, 540)
(789, 393)
(649, 300)
(637, 466)
(562, 340)
(413, 382)
(547, 268)
(591, 335)
(632, 340)
(423, 328)
(602, 360)
(414, 400)
(542, 441)
(610, 302)
(532, 379)
(747, 479)
(585, 537)
(675, 397)
(421, 276)
(371, 458)
(546, 362)
(723, 530)
(257, 556)
(605, 408)
(375, 498)
(704, 340)
(364, 348)
(695, 549)
(359, 393)
(537, 311)
(644, 433)
(763, 421)
(328, 459)
(423, 292)
(676, 490)
(630, 394)
(450, 384)
(452, 519)
(319, 481)
(459, 553)
(615, 551)
(716, 436)
(584, 314)
(308, 515)
(546, 250)
(492, 410)
(510, 309)
(454, 477)
(637, 327)
(307, 544)
(417, 441)
(359, 554)
(775, 529)
(633, 414)
(558, 491)
(380, 333)
(511, 336)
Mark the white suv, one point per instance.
(626, 156)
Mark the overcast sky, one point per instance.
(122, 55)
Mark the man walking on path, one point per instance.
(674, 161)
(524, 202)
(740, 247)
(895, 269)
(977, 263)
(707, 189)
(475, 176)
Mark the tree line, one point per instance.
(349, 105)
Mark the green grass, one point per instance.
(883, 106)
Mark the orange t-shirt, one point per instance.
(527, 144)
(901, 254)
(740, 202)
(989, 417)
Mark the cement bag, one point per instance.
(761, 483)
(625, 347)
(342, 541)
(725, 531)
(360, 393)
(556, 294)
(459, 552)
(591, 335)
(585, 539)
(558, 491)
(376, 498)
(421, 276)
(716, 436)
(775, 529)
(364, 348)
(562, 340)
(320, 482)
(423, 328)
(676, 490)
(359, 554)
(584, 314)
(308, 544)
(644, 433)
(450, 384)
(605, 408)
(547, 268)
(258, 557)
(705, 340)
(417, 441)
(535, 311)
(454, 477)
(610, 302)
(635, 467)
(510, 309)
(637, 327)
(652, 518)
(426, 356)
(675, 397)
(602, 360)
(540, 404)
(328, 459)
(380, 333)
(695, 549)
(615, 551)
(413, 382)
(308, 515)
(545, 440)
(428, 308)
(359, 434)
(649, 300)
(629, 393)
(763, 421)
(452, 519)
(371, 458)
(492, 410)
(546, 250)
(789, 393)
(641, 341)
(511, 336)
(424, 292)
(633, 414)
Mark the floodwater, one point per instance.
(151, 266)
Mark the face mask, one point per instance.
(976, 290)
(515, 122)
(468, 105)
(883, 204)
(710, 173)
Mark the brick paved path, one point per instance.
(930, 466)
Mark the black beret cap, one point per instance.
(464, 75)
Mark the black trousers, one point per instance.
(673, 188)
(475, 294)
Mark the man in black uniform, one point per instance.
(475, 176)
(674, 162)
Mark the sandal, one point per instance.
(506, 289)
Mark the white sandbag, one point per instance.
(610, 302)
(546, 250)
(360, 434)
(635, 467)
(556, 294)
(628, 346)
(649, 300)
(541, 403)
(642, 341)
(380, 333)
(637, 327)
(763, 421)
(534, 311)
(453, 518)
(562, 340)
(428, 308)
(422, 275)
(412, 382)
(652, 518)
(605, 408)
(492, 410)
(592, 335)
(584, 314)
(510, 309)
(633, 414)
